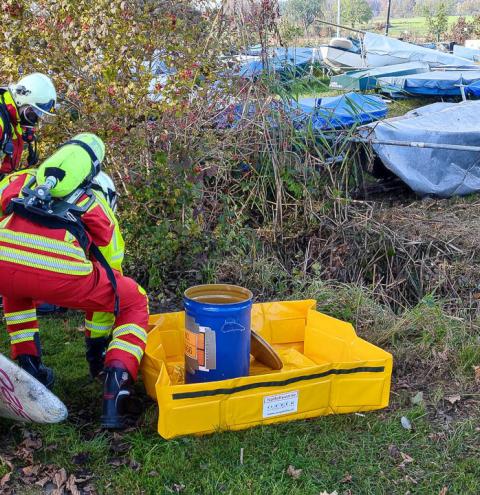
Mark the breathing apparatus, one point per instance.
(61, 181)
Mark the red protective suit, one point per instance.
(39, 263)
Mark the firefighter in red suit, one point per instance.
(21, 106)
(44, 255)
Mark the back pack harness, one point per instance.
(7, 141)
(6, 145)
(38, 206)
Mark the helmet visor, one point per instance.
(42, 109)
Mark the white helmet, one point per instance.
(36, 90)
(104, 183)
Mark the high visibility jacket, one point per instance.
(25, 243)
(9, 164)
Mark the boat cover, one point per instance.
(465, 52)
(384, 45)
(337, 112)
(279, 59)
(436, 83)
(428, 171)
(473, 89)
(320, 114)
(366, 79)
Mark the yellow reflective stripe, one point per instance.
(83, 202)
(23, 335)
(130, 329)
(90, 325)
(121, 345)
(42, 262)
(4, 222)
(2, 188)
(39, 242)
(115, 240)
(23, 312)
(21, 317)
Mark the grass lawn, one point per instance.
(414, 25)
(351, 454)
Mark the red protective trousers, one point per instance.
(21, 286)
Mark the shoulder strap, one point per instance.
(7, 127)
(91, 154)
(75, 226)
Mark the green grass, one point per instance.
(360, 453)
(416, 26)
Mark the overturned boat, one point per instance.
(288, 61)
(310, 114)
(440, 83)
(336, 112)
(375, 50)
(363, 80)
(434, 149)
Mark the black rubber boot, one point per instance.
(116, 394)
(95, 354)
(34, 366)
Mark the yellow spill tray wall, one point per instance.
(327, 370)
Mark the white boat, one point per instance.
(375, 50)
(347, 53)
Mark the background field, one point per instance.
(415, 26)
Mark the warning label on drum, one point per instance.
(275, 405)
(191, 344)
(201, 348)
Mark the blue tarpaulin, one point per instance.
(432, 171)
(279, 60)
(473, 89)
(436, 83)
(337, 112)
(321, 114)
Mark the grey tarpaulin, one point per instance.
(427, 171)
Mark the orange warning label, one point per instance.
(191, 344)
(196, 347)
(201, 349)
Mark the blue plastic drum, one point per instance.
(217, 332)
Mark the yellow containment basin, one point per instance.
(327, 369)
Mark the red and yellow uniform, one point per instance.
(10, 163)
(40, 263)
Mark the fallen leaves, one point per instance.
(5, 479)
(453, 399)
(26, 449)
(294, 473)
(476, 373)
(60, 478)
(406, 459)
(346, 479)
(394, 451)
(71, 485)
(50, 478)
(443, 491)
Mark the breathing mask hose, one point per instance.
(31, 139)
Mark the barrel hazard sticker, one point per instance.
(201, 348)
(193, 344)
(276, 405)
